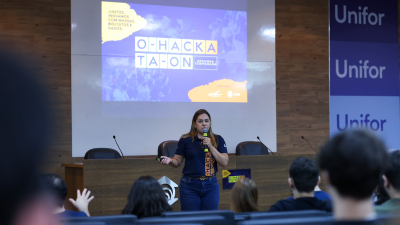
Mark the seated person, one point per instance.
(25, 130)
(303, 178)
(318, 193)
(244, 196)
(57, 187)
(351, 164)
(146, 198)
(380, 193)
(391, 179)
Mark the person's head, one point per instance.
(24, 120)
(381, 193)
(56, 186)
(146, 198)
(351, 163)
(391, 175)
(244, 196)
(303, 175)
(202, 119)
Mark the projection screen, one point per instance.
(141, 69)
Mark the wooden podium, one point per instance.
(110, 180)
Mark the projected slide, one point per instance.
(173, 54)
(141, 68)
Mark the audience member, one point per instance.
(391, 179)
(318, 193)
(381, 196)
(351, 163)
(244, 196)
(146, 198)
(303, 177)
(24, 131)
(58, 188)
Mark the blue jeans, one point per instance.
(198, 194)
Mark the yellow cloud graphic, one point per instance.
(224, 90)
(119, 21)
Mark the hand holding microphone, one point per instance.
(206, 140)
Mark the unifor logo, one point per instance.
(169, 189)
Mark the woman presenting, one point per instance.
(199, 188)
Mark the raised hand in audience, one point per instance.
(82, 201)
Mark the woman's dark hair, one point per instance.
(146, 198)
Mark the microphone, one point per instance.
(205, 135)
(265, 145)
(119, 147)
(309, 144)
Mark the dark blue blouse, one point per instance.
(197, 162)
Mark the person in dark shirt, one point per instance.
(391, 180)
(303, 177)
(351, 164)
(58, 189)
(318, 193)
(198, 189)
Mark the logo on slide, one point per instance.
(173, 53)
(169, 189)
(231, 94)
(215, 95)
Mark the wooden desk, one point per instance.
(271, 175)
(110, 180)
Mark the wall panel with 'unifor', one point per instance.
(364, 68)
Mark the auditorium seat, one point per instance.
(251, 148)
(84, 223)
(167, 148)
(388, 219)
(206, 220)
(227, 214)
(290, 221)
(242, 216)
(288, 214)
(102, 153)
(107, 220)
